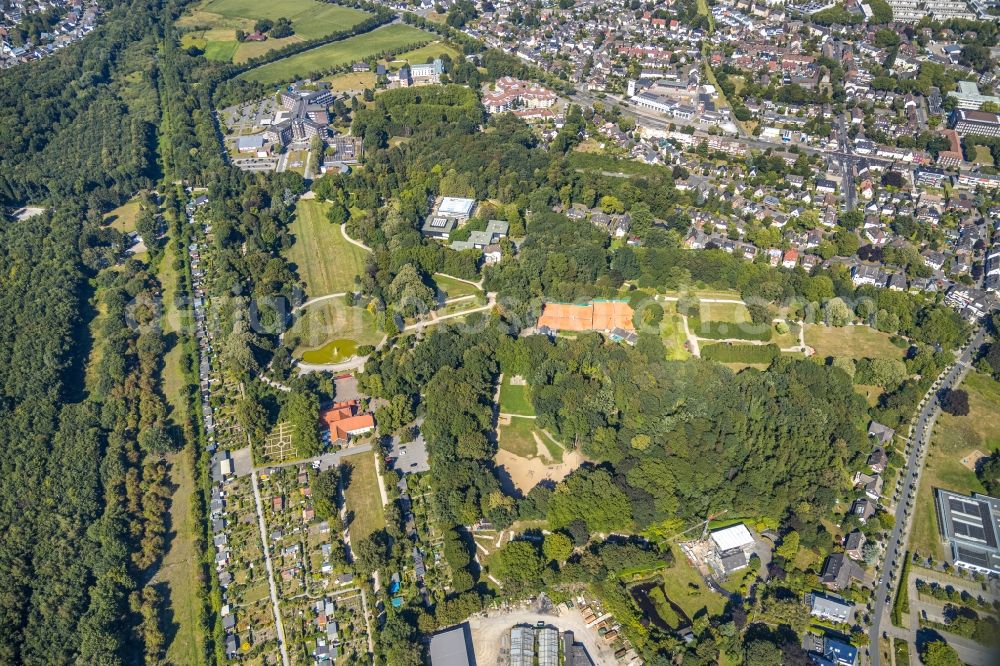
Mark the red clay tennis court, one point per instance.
(596, 316)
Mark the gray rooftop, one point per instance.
(451, 647)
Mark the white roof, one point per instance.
(735, 536)
(456, 206)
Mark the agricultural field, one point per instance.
(325, 261)
(324, 58)
(212, 25)
(362, 498)
(851, 342)
(331, 331)
(954, 439)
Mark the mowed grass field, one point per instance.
(180, 568)
(325, 261)
(325, 58)
(362, 498)
(954, 438)
(519, 438)
(452, 288)
(124, 217)
(515, 399)
(214, 23)
(685, 587)
(851, 342)
(427, 53)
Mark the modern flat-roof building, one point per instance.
(733, 546)
(979, 123)
(969, 97)
(452, 647)
(456, 207)
(970, 525)
(450, 213)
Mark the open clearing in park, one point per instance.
(328, 324)
(514, 398)
(125, 216)
(362, 498)
(180, 568)
(953, 439)
(212, 25)
(851, 342)
(452, 288)
(327, 57)
(325, 261)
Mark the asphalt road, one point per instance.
(896, 545)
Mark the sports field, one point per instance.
(362, 498)
(954, 438)
(325, 58)
(325, 261)
(212, 25)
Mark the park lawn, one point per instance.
(515, 399)
(735, 313)
(517, 438)
(870, 393)
(330, 56)
(124, 217)
(362, 498)
(323, 258)
(672, 331)
(686, 588)
(180, 569)
(427, 53)
(851, 342)
(452, 288)
(174, 382)
(352, 81)
(983, 156)
(328, 321)
(954, 437)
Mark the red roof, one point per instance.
(343, 420)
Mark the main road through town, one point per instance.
(896, 546)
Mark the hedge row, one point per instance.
(729, 353)
(724, 330)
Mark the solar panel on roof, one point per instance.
(973, 557)
(989, 531)
(969, 531)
